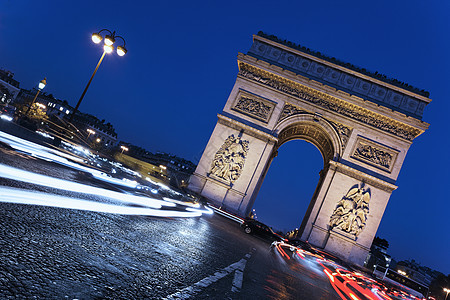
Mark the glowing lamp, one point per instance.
(108, 48)
(42, 83)
(96, 38)
(109, 40)
(121, 51)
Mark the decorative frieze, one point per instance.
(351, 211)
(290, 110)
(229, 160)
(253, 106)
(374, 154)
(328, 102)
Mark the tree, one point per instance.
(381, 243)
(437, 286)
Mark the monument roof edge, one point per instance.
(344, 69)
(367, 104)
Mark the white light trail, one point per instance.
(47, 181)
(13, 195)
(62, 158)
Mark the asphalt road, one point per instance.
(62, 253)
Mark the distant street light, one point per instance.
(447, 291)
(41, 85)
(107, 48)
(123, 149)
(90, 131)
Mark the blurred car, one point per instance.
(302, 245)
(254, 227)
(7, 112)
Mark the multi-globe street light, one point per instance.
(109, 41)
(41, 85)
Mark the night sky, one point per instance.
(164, 95)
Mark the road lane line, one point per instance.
(197, 287)
(237, 281)
(239, 275)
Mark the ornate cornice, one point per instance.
(328, 102)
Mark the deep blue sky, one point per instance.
(181, 66)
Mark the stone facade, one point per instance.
(363, 138)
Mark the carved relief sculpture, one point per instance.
(343, 131)
(351, 212)
(374, 154)
(254, 107)
(229, 160)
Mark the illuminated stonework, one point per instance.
(343, 131)
(351, 212)
(328, 102)
(254, 106)
(229, 160)
(374, 154)
(362, 127)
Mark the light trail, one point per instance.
(47, 181)
(59, 157)
(18, 196)
(150, 205)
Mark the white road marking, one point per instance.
(197, 287)
(239, 276)
(237, 281)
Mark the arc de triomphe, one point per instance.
(363, 127)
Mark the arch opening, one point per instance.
(284, 200)
(308, 136)
(309, 132)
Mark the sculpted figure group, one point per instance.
(351, 212)
(229, 159)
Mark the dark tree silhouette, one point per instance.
(379, 242)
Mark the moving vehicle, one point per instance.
(255, 227)
(302, 245)
(7, 112)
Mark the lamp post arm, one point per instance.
(86, 88)
(31, 104)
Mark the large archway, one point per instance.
(289, 185)
(363, 128)
(314, 130)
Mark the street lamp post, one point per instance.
(447, 291)
(123, 149)
(41, 85)
(90, 131)
(110, 39)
